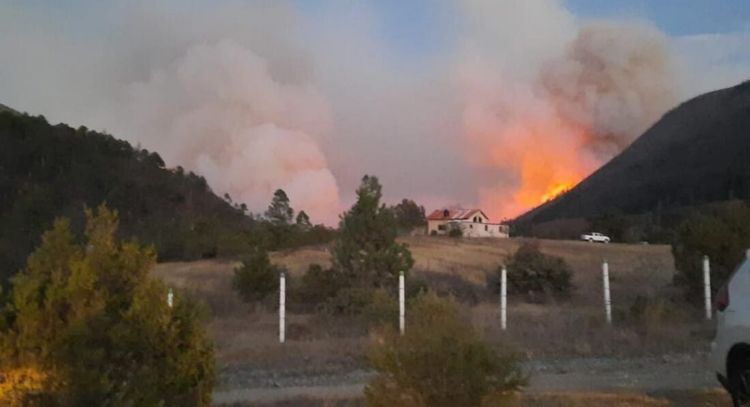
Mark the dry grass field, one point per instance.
(574, 327)
(323, 351)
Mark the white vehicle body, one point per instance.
(595, 237)
(730, 355)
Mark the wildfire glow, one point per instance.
(545, 155)
(555, 191)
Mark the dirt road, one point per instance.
(653, 375)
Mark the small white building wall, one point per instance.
(483, 229)
(468, 228)
(434, 226)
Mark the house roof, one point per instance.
(454, 214)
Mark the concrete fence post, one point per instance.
(504, 298)
(170, 298)
(282, 307)
(707, 286)
(401, 304)
(607, 300)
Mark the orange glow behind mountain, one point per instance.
(544, 177)
(556, 191)
(547, 158)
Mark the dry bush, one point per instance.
(537, 275)
(440, 361)
(454, 285)
(569, 330)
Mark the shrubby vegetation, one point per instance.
(257, 277)
(409, 215)
(723, 234)
(532, 272)
(365, 257)
(440, 361)
(51, 171)
(366, 252)
(86, 325)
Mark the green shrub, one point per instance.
(317, 286)
(381, 309)
(440, 361)
(531, 272)
(723, 234)
(349, 301)
(415, 286)
(257, 278)
(87, 326)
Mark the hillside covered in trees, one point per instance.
(51, 171)
(694, 155)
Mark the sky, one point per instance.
(492, 104)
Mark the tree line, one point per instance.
(56, 171)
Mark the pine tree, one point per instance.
(366, 252)
(303, 220)
(280, 210)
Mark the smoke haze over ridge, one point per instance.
(519, 99)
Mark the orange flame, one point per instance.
(555, 191)
(547, 158)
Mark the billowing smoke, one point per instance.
(218, 110)
(539, 121)
(614, 80)
(509, 104)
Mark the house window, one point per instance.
(441, 227)
(471, 226)
(485, 228)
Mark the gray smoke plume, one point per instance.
(520, 99)
(615, 79)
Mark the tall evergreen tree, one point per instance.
(86, 325)
(280, 211)
(303, 220)
(366, 252)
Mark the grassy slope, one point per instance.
(634, 268)
(569, 328)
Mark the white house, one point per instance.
(472, 222)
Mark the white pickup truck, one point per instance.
(595, 237)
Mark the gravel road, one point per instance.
(644, 374)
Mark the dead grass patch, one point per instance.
(458, 267)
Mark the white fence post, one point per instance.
(504, 298)
(607, 301)
(170, 298)
(282, 307)
(401, 304)
(707, 286)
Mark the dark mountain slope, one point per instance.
(50, 171)
(697, 153)
(4, 108)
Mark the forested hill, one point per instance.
(4, 108)
(51, 171)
